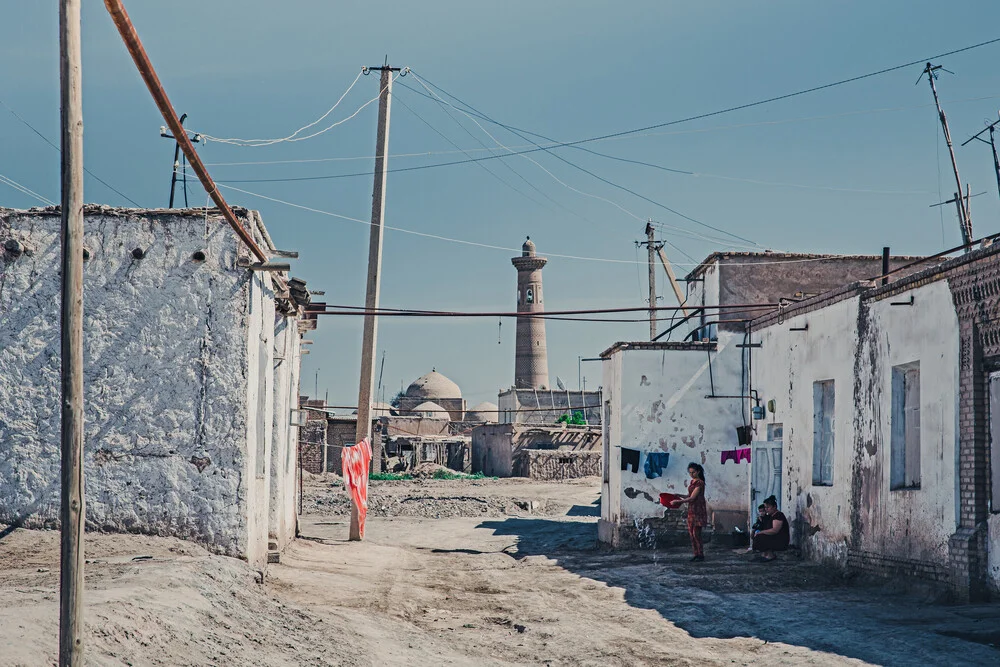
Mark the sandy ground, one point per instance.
(494, 588)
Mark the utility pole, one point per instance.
(72, 509)
(965, 220)
(178, 158)
(651, 252)
(978, 136)
(370, 335)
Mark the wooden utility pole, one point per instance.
(72, 509)
(672, 278)
(370, 336)
(965, 220)
(650, 243)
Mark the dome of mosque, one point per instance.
(528, 249)
(432, 387)
(484, 412)
(430, 409)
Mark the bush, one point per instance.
(389, 476)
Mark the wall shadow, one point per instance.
(790, 601)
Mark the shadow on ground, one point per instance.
(789, 601)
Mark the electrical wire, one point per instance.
(24, 190)
(498, 247)
(256, 143)
(85, 169)
(714, 128)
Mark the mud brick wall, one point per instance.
(556, 464)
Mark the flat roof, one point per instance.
(781, 257)
(688, 346)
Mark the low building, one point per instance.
(557, 451)
(668, 403)
(882, 397)
(548, 406)
(191, 376)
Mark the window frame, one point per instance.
(904, 428)
(824, 415)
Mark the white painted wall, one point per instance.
(658, 403)
(170, 380)
(282, 508)
(911, 524)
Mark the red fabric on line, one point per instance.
(355, 461)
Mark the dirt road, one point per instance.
(492, 588)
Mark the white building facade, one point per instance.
(190, 375)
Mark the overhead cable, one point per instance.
(88, 171)
(256, 143)
(24, 190)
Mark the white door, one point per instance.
(765, 473)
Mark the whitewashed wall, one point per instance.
(172, 376)
(658, 403)
(857, 349)
(283, 490)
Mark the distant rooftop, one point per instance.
(768, 256)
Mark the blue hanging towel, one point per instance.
(655, 463)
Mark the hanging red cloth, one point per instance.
(355, 461)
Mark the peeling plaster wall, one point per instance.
(856, 342)
(658, 404)
(173, 379)
(784, 370)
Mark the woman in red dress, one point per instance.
(697, 509)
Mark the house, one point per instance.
(882, 396)
(191, 374)
(538, 451)
(685, 397)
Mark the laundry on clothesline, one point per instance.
(655, 463)
(630, 457)
(735, 455)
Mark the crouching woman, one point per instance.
(775, 538)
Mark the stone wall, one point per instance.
(179, 379)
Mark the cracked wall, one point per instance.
(177, 356)
(658, 404)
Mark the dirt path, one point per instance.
(469, 589)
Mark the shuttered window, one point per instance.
(823, 407)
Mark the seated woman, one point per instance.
(774, 538)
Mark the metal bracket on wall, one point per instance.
(804, 328)
(902, 303)
(746, 345)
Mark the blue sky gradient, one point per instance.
(848, 169)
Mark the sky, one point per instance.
(848, 169)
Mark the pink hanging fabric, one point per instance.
(355, 461)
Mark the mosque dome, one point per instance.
(432, 387)
(484, 412)
(528, 249)
(430, 409)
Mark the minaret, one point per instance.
(531, 363)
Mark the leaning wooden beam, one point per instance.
(145, 66)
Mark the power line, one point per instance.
(89, 172)
(576, 166)
(409, 312)
(24, 190)
(678, 121)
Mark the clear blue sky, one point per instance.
(848, 169)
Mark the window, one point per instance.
(904, 464)
(775, 432)
(531, 296)
(995, 441)
(823, 433)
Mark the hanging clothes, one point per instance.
(655, 463)
(355, 461)
(743, 455)
(729, 455)
(630, 458)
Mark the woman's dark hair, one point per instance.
(761, 506)
(771, 500)
(699, 471)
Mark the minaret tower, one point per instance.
(531, 362)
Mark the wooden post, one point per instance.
(651, 251)
(678, 292)
(72, 509)
(370, 335)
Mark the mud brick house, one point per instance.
(552, 451)
(191, 377)
(888, 399)
(686, 396)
